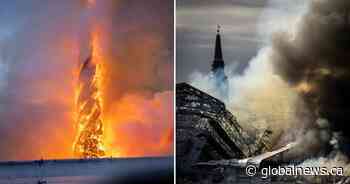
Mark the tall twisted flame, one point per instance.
(89, 139)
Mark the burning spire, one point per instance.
(89, 142)
(89, 138)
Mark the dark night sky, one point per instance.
(196, 28)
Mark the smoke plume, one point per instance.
(298, 83)
(314, 60)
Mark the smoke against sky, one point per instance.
(139, 75)
(296, 85)
(259, 97)
(196, 29)
(316, 56)
(41, 45)
(39, 52)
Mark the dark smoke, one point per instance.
(317, 54)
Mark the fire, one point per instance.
(304, 87)
(89, 139)
(112, 118)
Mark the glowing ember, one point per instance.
(304, 87)
(89, 140)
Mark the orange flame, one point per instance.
(89, 140)
(130, 129)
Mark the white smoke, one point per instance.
(281, 16)
(337, 161)
(259, 98)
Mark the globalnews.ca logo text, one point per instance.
(292, 170)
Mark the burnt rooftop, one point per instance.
(206, 130)
(212, 147)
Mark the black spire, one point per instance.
(218, 62)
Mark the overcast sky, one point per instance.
(196, 28)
